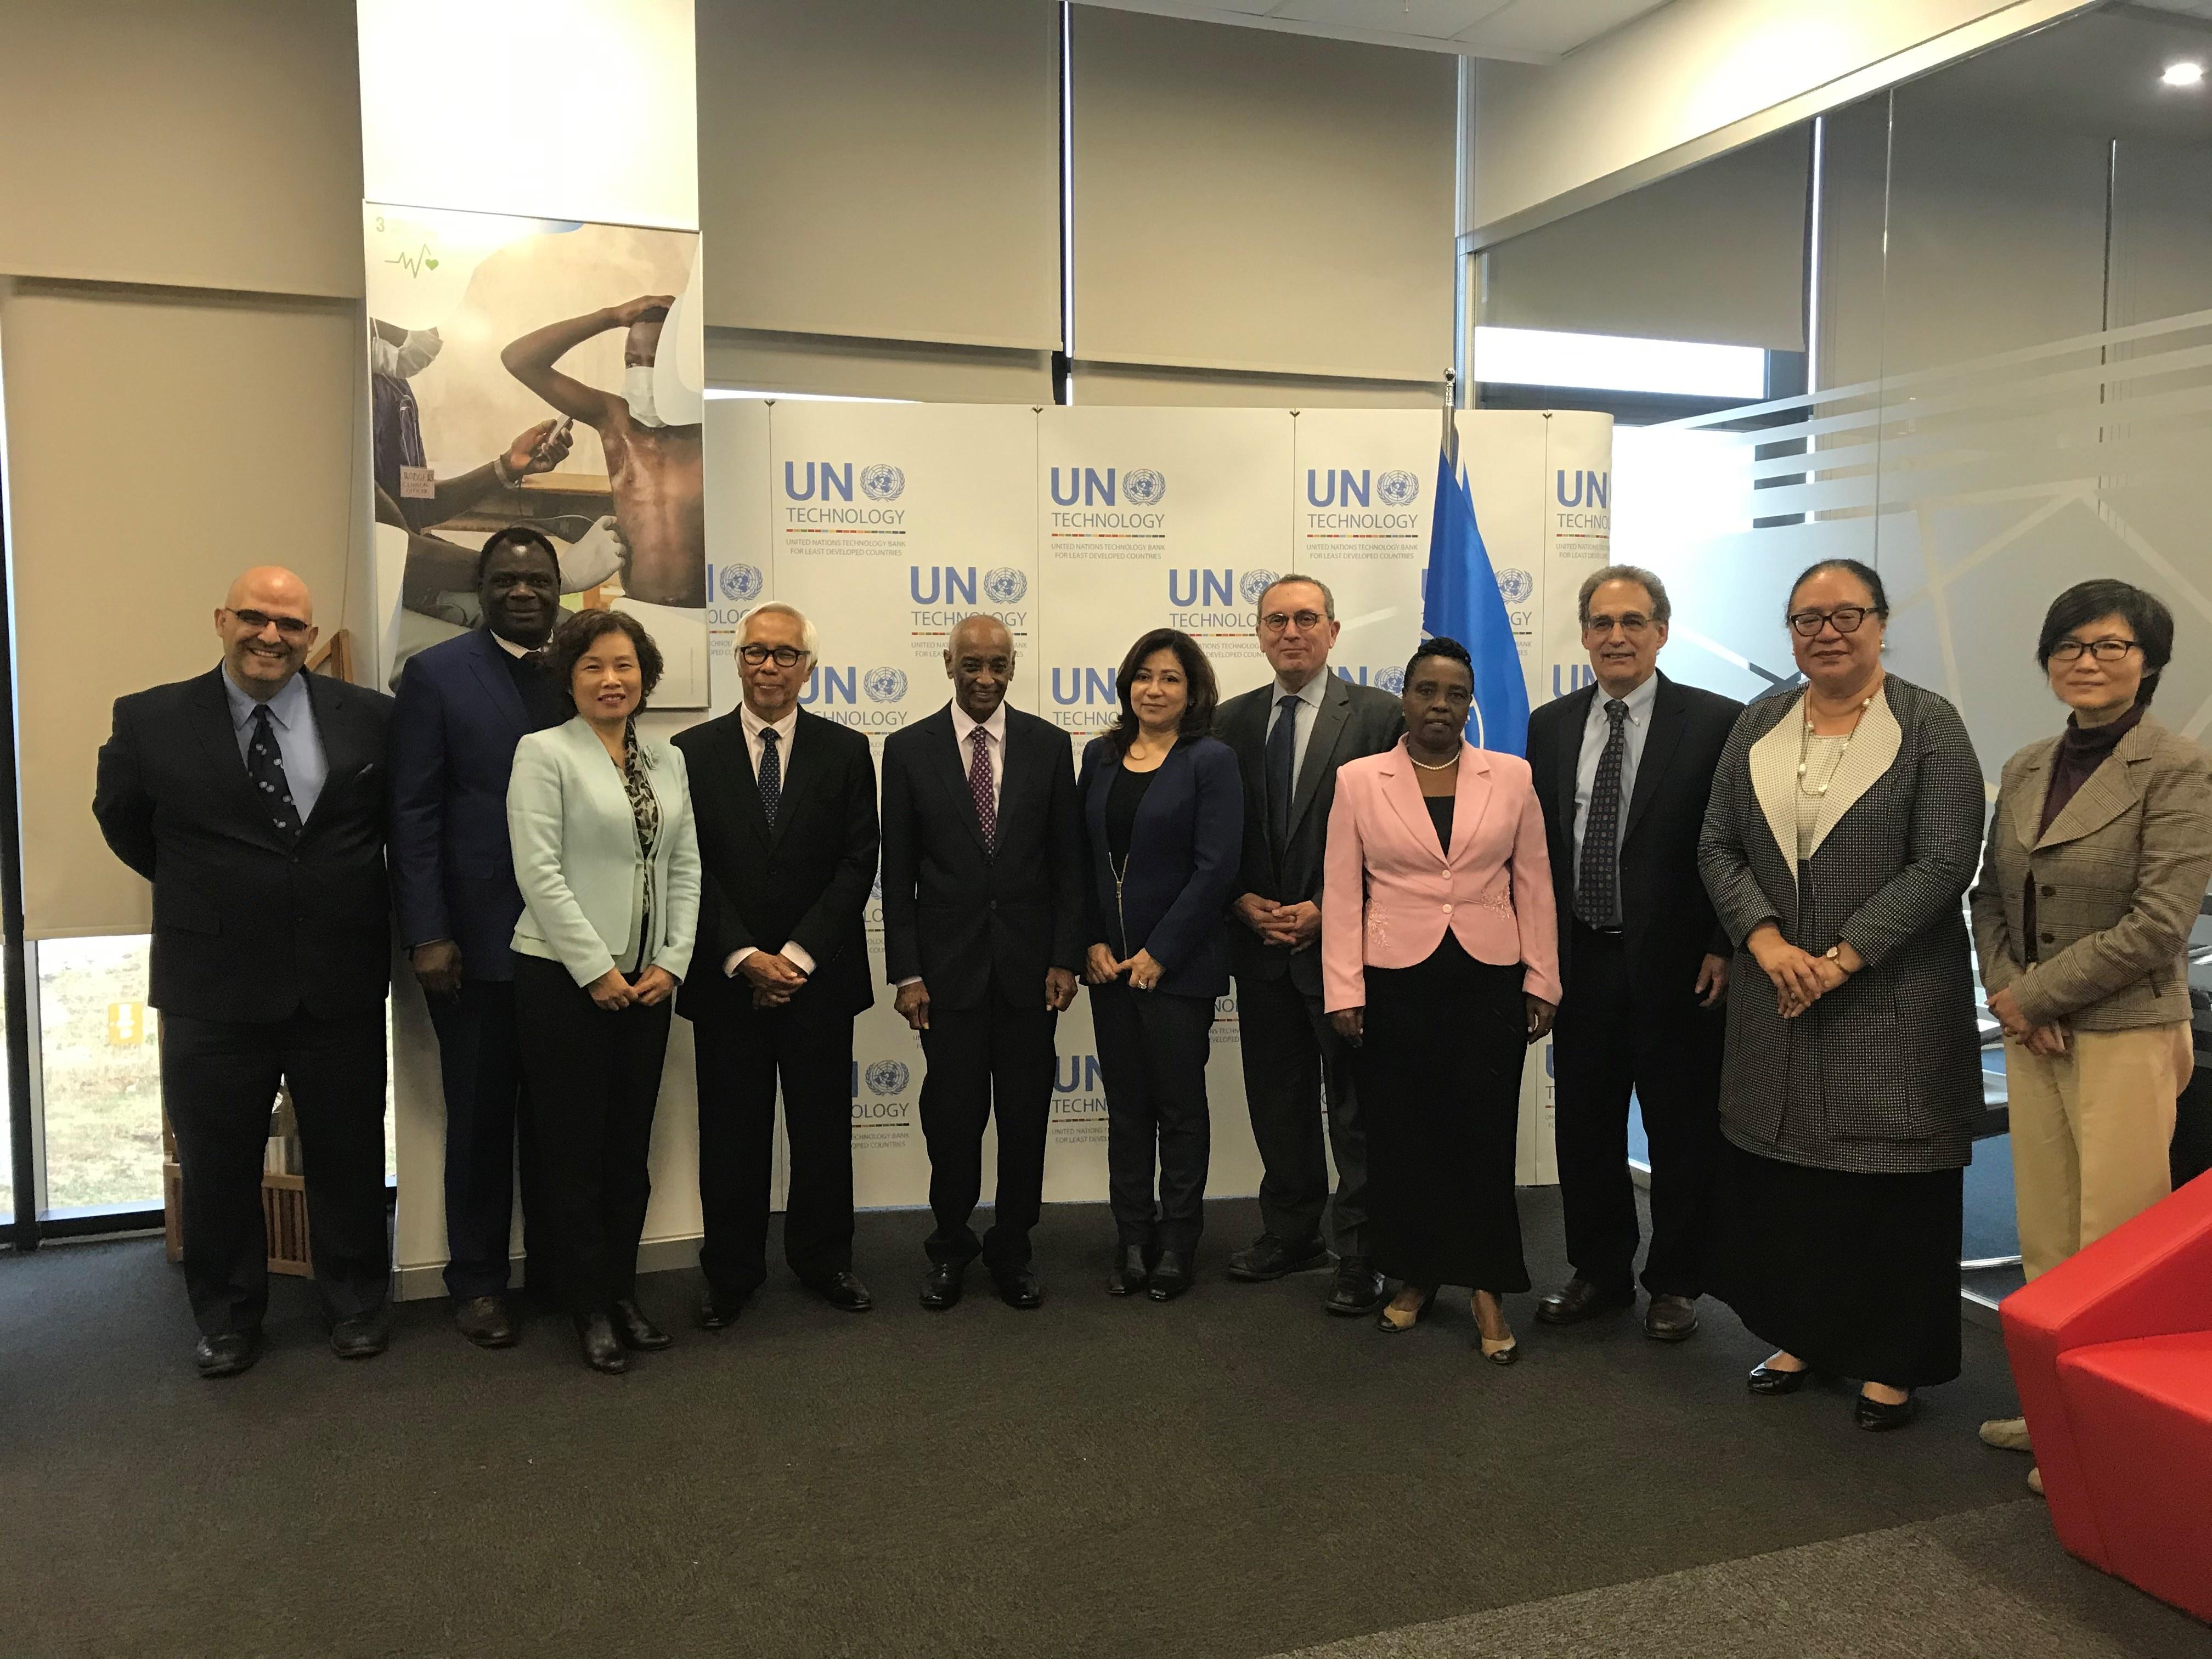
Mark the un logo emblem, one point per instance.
(1255, 583)
(881, 482)
(1392, 680)
(1144, 486)
(741, 582)
(885, 684)
(1514, 586)
(1004, 587)
(887, 1077)
(1398, 489)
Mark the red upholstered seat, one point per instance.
(2112, 1352)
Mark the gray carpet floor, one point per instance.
(1230, 1475)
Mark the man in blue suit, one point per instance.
(463, 707)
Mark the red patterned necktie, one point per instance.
(979, 785)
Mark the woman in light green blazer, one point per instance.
(600, 819)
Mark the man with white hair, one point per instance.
(785, 803)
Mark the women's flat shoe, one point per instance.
(1876, 1416)
(1128, 1279)
(1764, 1379)
(1387, 1320)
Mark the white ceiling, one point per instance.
(1524, 31)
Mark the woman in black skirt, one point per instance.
(1844, 826)
(1440, 963)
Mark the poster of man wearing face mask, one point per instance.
(539, 372)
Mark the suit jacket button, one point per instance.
(1447, 909)
(994, 904)
(2050, 892)
(2050, 938)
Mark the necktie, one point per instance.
(771, 774)
(1280, 764)
(265, 766)
(1597, 886)
(979, 785)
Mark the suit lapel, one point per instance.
(1872, 752)
(2028, 790)
(1470, 800)
(735, 766)
(1659, 745)
(2108, 792)
(1774, 778)
(1401, 787)
(346, 749)
(498, 681)
(952, 772)
(211, 720)
(1328, 725)
(1566, 765)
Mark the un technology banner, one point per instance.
(1359, 521)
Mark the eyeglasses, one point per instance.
(1634, 622)
(292, 628)
(1276, 620)
(1844, 618)
(2102, 650)
(784, 656)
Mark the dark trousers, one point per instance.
(592, 1080)
(1291, 1056)
(1614, 1034)
(997, 1056)
(1152, 1050)
(219, 1082)
(741, 1053)
(481, 1064)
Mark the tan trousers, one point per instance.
(2090, 1134)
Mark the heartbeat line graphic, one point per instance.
(416, 262)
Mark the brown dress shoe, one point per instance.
(1670, 1318)
(1578, 1300)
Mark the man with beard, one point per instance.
(463, 707)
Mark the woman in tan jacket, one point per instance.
(2096, 864)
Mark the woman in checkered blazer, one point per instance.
(1841, 835)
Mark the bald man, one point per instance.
(982, 933)
(253, 798)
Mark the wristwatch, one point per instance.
(1835, 953)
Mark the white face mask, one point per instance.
(409, 358)
(637, 392)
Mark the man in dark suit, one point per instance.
(1622, 768)
(462, 706)
(785, 803)
(1290, 736)
(982, 935)
(253, 798)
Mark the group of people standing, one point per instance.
(1750, 919)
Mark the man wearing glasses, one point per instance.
(785, 802)
(1622, 768)
(253, 798)
(1290, 736)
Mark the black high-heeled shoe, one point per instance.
(1390, 1327)
(1877, 1416)
(1128, 1277)
(603, 1349)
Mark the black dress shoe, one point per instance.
(1579, 1299)
(363, 1336)
(842, 1292)
(1877, 1416)
(485, 1320)
(636, 1331)
(719, 1310)
(603, 1349)
(227, 1354)
(942, 1285)
(1128, 1277)
(1671, 1318)
(1269, 1257)
(1170, 1276)
(1358, 1288)
(1019, 1287)
(1764, 1379)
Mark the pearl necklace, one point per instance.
(1441, 766)
(1804, 746)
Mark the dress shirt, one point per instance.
(298, 744)
(1595, 730)
(1307, 712)
(753, 725)
(994, 729)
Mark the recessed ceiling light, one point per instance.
(2182, 75)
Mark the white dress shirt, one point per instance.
(753, 726)
(1307, 712)
(1595, 730)
(965, 728)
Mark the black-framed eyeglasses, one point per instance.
(783, 656)
(1276, 620)
(1844, 619)
(2102, 650)
(291, 628)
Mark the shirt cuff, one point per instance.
(729, 962)
(902, 984)
(799, 957)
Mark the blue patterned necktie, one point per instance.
(771, 774)
(1597, 886)
(1280, 766)
(265, 768)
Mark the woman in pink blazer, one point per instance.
(1440, 964)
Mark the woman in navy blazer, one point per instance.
(1163, 823)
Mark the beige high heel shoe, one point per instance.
(1500, 1351)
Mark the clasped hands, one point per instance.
(1801, 979)
(774, 977)
(913, 999)
(2049, 1041)
(1102, 967)
(1289, 926)
(612, 991)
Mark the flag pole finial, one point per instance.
(1451, 429)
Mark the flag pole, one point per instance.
(1451, 427)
